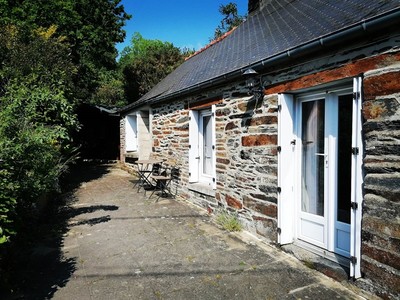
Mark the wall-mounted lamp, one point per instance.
(253, 83)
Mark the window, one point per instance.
(131, 133)
(202, 147)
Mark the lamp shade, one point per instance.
(250, 73)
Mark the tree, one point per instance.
(230, 20)
(145, 62)
(110, 91)
(91, 27)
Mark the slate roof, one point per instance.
(280, 26)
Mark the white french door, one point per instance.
(320, 177)
(324, 139)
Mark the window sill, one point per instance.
(132, 154)
(202, 188)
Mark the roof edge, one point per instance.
(372, 24)
(212, 43)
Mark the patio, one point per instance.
(117, 244)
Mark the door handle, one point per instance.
(321, 154)
(197, 157)
(325, 158)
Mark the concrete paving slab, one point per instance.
(120, 245)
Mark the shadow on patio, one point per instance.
(33, 265)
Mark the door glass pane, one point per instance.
(313, 157)
(207, 145)
(344, 158)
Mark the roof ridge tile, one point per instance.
(213, 42)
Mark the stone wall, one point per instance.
(170, 124)
(246, 132)
(144, 135)
(381, 211)
(246, 136)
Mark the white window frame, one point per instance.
(195, 148)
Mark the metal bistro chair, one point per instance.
(145, 176)
(163, 182)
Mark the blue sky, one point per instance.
(185, 23)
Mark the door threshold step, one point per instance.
(317, 262)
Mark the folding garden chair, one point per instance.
(145, 172)
(163, 182)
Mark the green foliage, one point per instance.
(229, 222)
(110, 92)
(231, 19)
(187, 52)
(52, 54)
(7, 204)
(90, 27)
(36, 120)
(145, 62)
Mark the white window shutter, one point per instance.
(214, 147)
(131, 133)
(193, 146)
(357, 181)
(286, 203)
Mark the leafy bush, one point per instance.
(110, 91)
(7, 205)
(36, 120)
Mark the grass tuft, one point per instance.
(228, 221)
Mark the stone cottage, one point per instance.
(292, 121)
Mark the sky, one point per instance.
(185, 23)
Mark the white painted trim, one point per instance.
(194, 162)
(151, 122)
(214, 142)
(331, 134)
(311, 228)
(286, 199)
(131, 143)
(203, 177)
(196, 147)
(357, 181)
